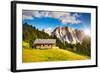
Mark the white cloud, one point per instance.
(76, 15)
(31, 14)
(58, 14)
(39, 14)
(69, 18)
(48, 30)
(27, 14)
(64, 17)
(45, 14)
(36, 14)
(27, 17)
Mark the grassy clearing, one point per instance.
(37, 55)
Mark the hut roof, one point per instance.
(45, 41)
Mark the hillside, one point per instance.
(31, 33)
(37, 55)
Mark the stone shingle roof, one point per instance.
(45, 41)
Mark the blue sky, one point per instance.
(51, 20)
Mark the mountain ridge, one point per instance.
(68, 34)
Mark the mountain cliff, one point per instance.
(69, 35)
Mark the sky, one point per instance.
(51, 19)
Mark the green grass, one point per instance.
(38, 55)
(25, 44)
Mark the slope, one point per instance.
(55, 54)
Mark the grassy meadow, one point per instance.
(51, 54)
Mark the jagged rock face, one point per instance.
(69, 35)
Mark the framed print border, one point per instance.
(14, 35)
